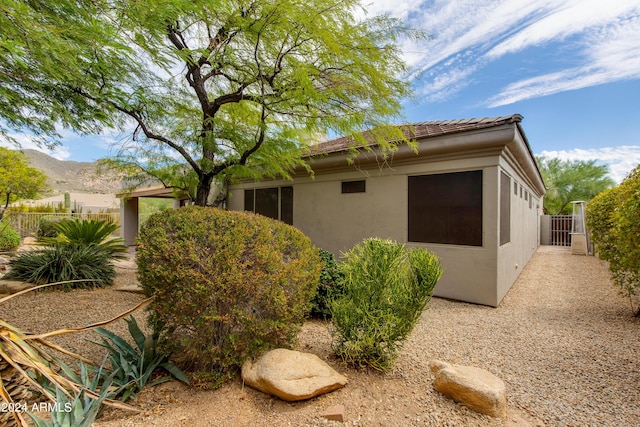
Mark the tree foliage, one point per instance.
(613, 219)
(571, 180)
(213, 89)
(17, 179)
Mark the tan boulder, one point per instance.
(476, 388)
(291, 375)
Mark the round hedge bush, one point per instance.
(227, 285)
(9, 239)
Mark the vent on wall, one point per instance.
(353, 187)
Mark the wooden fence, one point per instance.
(26, 223)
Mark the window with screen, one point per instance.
(446, 208)
(505, 208)
(276, 203)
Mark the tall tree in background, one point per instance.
(568, 181)
(213, 89)
(17, 179)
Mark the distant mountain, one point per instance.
(67, 175)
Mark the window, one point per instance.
(515, 188)
(353, 187)
(446, 208)
(276, 203)
(505, 209)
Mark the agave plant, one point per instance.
(25, 357)
(134, 365)
(82, 410)
(90, 232)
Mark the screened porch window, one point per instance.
(276, 202)
(446, 208)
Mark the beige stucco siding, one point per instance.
(479, 274)
(336, 221)
(525, 213)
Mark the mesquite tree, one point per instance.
(208, 90)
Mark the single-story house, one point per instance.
(472, 193)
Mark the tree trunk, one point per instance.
(203, 190)
(6, 205)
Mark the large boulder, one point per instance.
(476, 388)
(291, 375)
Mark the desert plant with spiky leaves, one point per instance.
(82, 410)
(134, 365)
(25, 357)
(89, 232)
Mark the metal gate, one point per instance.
(561, 230)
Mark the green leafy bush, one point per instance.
(330, 286)
(386, 288)
(9, 239)
(600, 219)
(134, 365)
(46, 226)
(613, 219)
(63, 263)
(226, 285)
(89, 232)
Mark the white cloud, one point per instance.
(600, 36)
(621, 160)
(26, 142)
(560, 19)
(612, 53)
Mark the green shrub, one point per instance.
(62, 263)
(9, 239)
(330, 286)
(600, 219)
(226, 285)
(386, 288)
(613, 219)
(89, 232)
(46, 226)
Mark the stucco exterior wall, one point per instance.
(336, 221)
(526, 208)
(477, 274)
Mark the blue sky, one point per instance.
(570, 67)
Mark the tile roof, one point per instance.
(422, 130)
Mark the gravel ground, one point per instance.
(563, 341)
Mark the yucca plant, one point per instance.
(134, 365)
(89, 232)
(24, 358)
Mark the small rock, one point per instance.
(291, 375)
(335, 413)
(476, 388)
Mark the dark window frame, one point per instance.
(255, 199)
(446, 208)
(505, 208)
